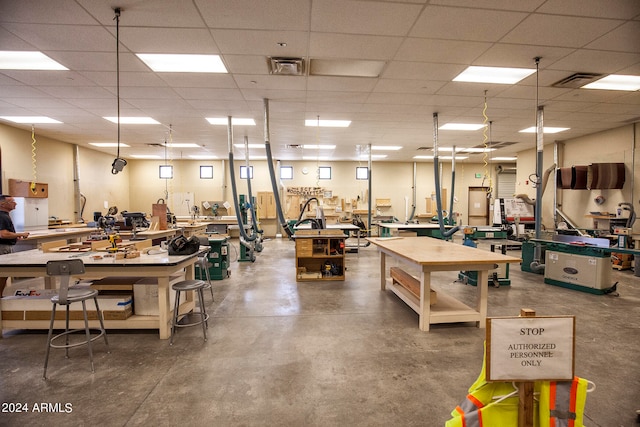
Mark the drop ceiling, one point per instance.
(419, 46)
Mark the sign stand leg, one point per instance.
(525, 405)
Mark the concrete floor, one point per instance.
(316, 354)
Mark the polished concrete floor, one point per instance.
(282, 353)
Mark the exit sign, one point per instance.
(478, 175)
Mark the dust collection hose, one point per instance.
(254, 218)
(453, 183)
(234, 190)
(272, 173)
(443, 232)
(413, 191)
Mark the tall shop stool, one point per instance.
(186, 286)
(65, 269)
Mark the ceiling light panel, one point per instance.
(250, 145)
(17, 60)
(462, 126)
(30, 119)
(182, 145)
(616, 82)
(133, 120)
(546, 129)
(498, 75)
(386, 147)
(203, 156)
(234, 121)
(318, 147)
(183, 63)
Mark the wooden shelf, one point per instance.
(319, 255)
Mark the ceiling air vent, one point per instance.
(577, 80)
(424, 148)
(286, 66)
(155, 144)
(295, 146)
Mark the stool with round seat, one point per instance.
(204, 264)
(65, 269)
(187, 286)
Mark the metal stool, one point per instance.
(185, 286)
(203, 265)
(66, 296)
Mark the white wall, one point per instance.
(612, 146)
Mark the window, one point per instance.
(324, 172)
(243, 172)
(362, 173)
(166, 171)
(286, 172)
(206, 172)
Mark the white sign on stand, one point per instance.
(530, 348)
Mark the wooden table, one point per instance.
(37, 237)
(438, 255)
(161, 266)
(345, 227)
(421, 229)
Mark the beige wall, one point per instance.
(54, 162)
(612, 146)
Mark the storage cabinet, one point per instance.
(319, 255)
(266, 205)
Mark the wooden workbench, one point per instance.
(160, 266)
(431, 255)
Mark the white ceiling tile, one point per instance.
(64, 37)
(619, 9)
(450, 51)
(465, 24)
(249, 14)
(520, 55)
(246, 64)
(596, 61)
(168, 40)
(156, 13)
(559, 31)
(60, 11)
(625, 38)
(209, 93)
(362, 17)
(427, 87)
(522, 6)
(219, 80)
(328, 45)
(264, 43)
(421, 70)
(347, 84)
(270, 82)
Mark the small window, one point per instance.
(166, 172)
(206, 172)
(286, 172)
(324, 172)
(243, 172)
(362, 173)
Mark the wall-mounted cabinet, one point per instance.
(319, 255)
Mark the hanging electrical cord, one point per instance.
(119, 163)
(33, 160)
(485, 139)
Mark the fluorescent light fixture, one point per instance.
(18, 60)
(386, 147)
(327, 123)
(145, 156)
(234, 121)
(252, 157)
(250, 145)
(182, 145)
(546, 129)
(183, 63)
(203, 156)
(440, 157)
(499, 75)
(30, 119)
(133, 120)
(462, 126)
(373, 156)
(504, 159)
(318, 147)
(326, 158)
(616, 82)
(107, 144)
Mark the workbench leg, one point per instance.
(164, 308)
(481, 297)
(425, 299)
(383, 271)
